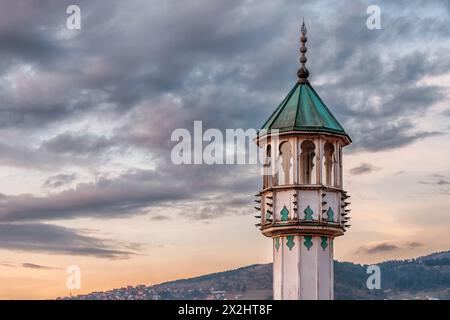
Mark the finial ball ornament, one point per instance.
(303, 72)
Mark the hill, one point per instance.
(425, 277)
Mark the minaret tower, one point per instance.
(302, 203)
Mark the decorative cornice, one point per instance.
(318, 229)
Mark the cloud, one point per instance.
(363, 168)
(160, 218)
(59, 180)
(227, 65)
(26, 265)
(126, 194)
(134, 192)
(22, 157)
(52, 239)
(218, 206)
(36, 266)
(70, 143)
(39, 159)
(7, 264)
(439, 182)
(414, 244)
(392, 136)
(380, 248)
(387, 247)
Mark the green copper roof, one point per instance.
(303, 110)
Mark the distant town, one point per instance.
(142, 292)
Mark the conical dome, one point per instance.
(303, 110)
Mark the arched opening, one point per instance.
(285, 165)
(267, 179)
(329, 163)
(307, 160)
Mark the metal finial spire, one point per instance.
(303, 72)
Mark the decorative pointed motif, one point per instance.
(290, 242)
(284, 214)
(330, 215)
(308, 242)
(277, 243)
(324, 243)
(303, 72)
(308, 213)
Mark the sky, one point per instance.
(86, 118)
